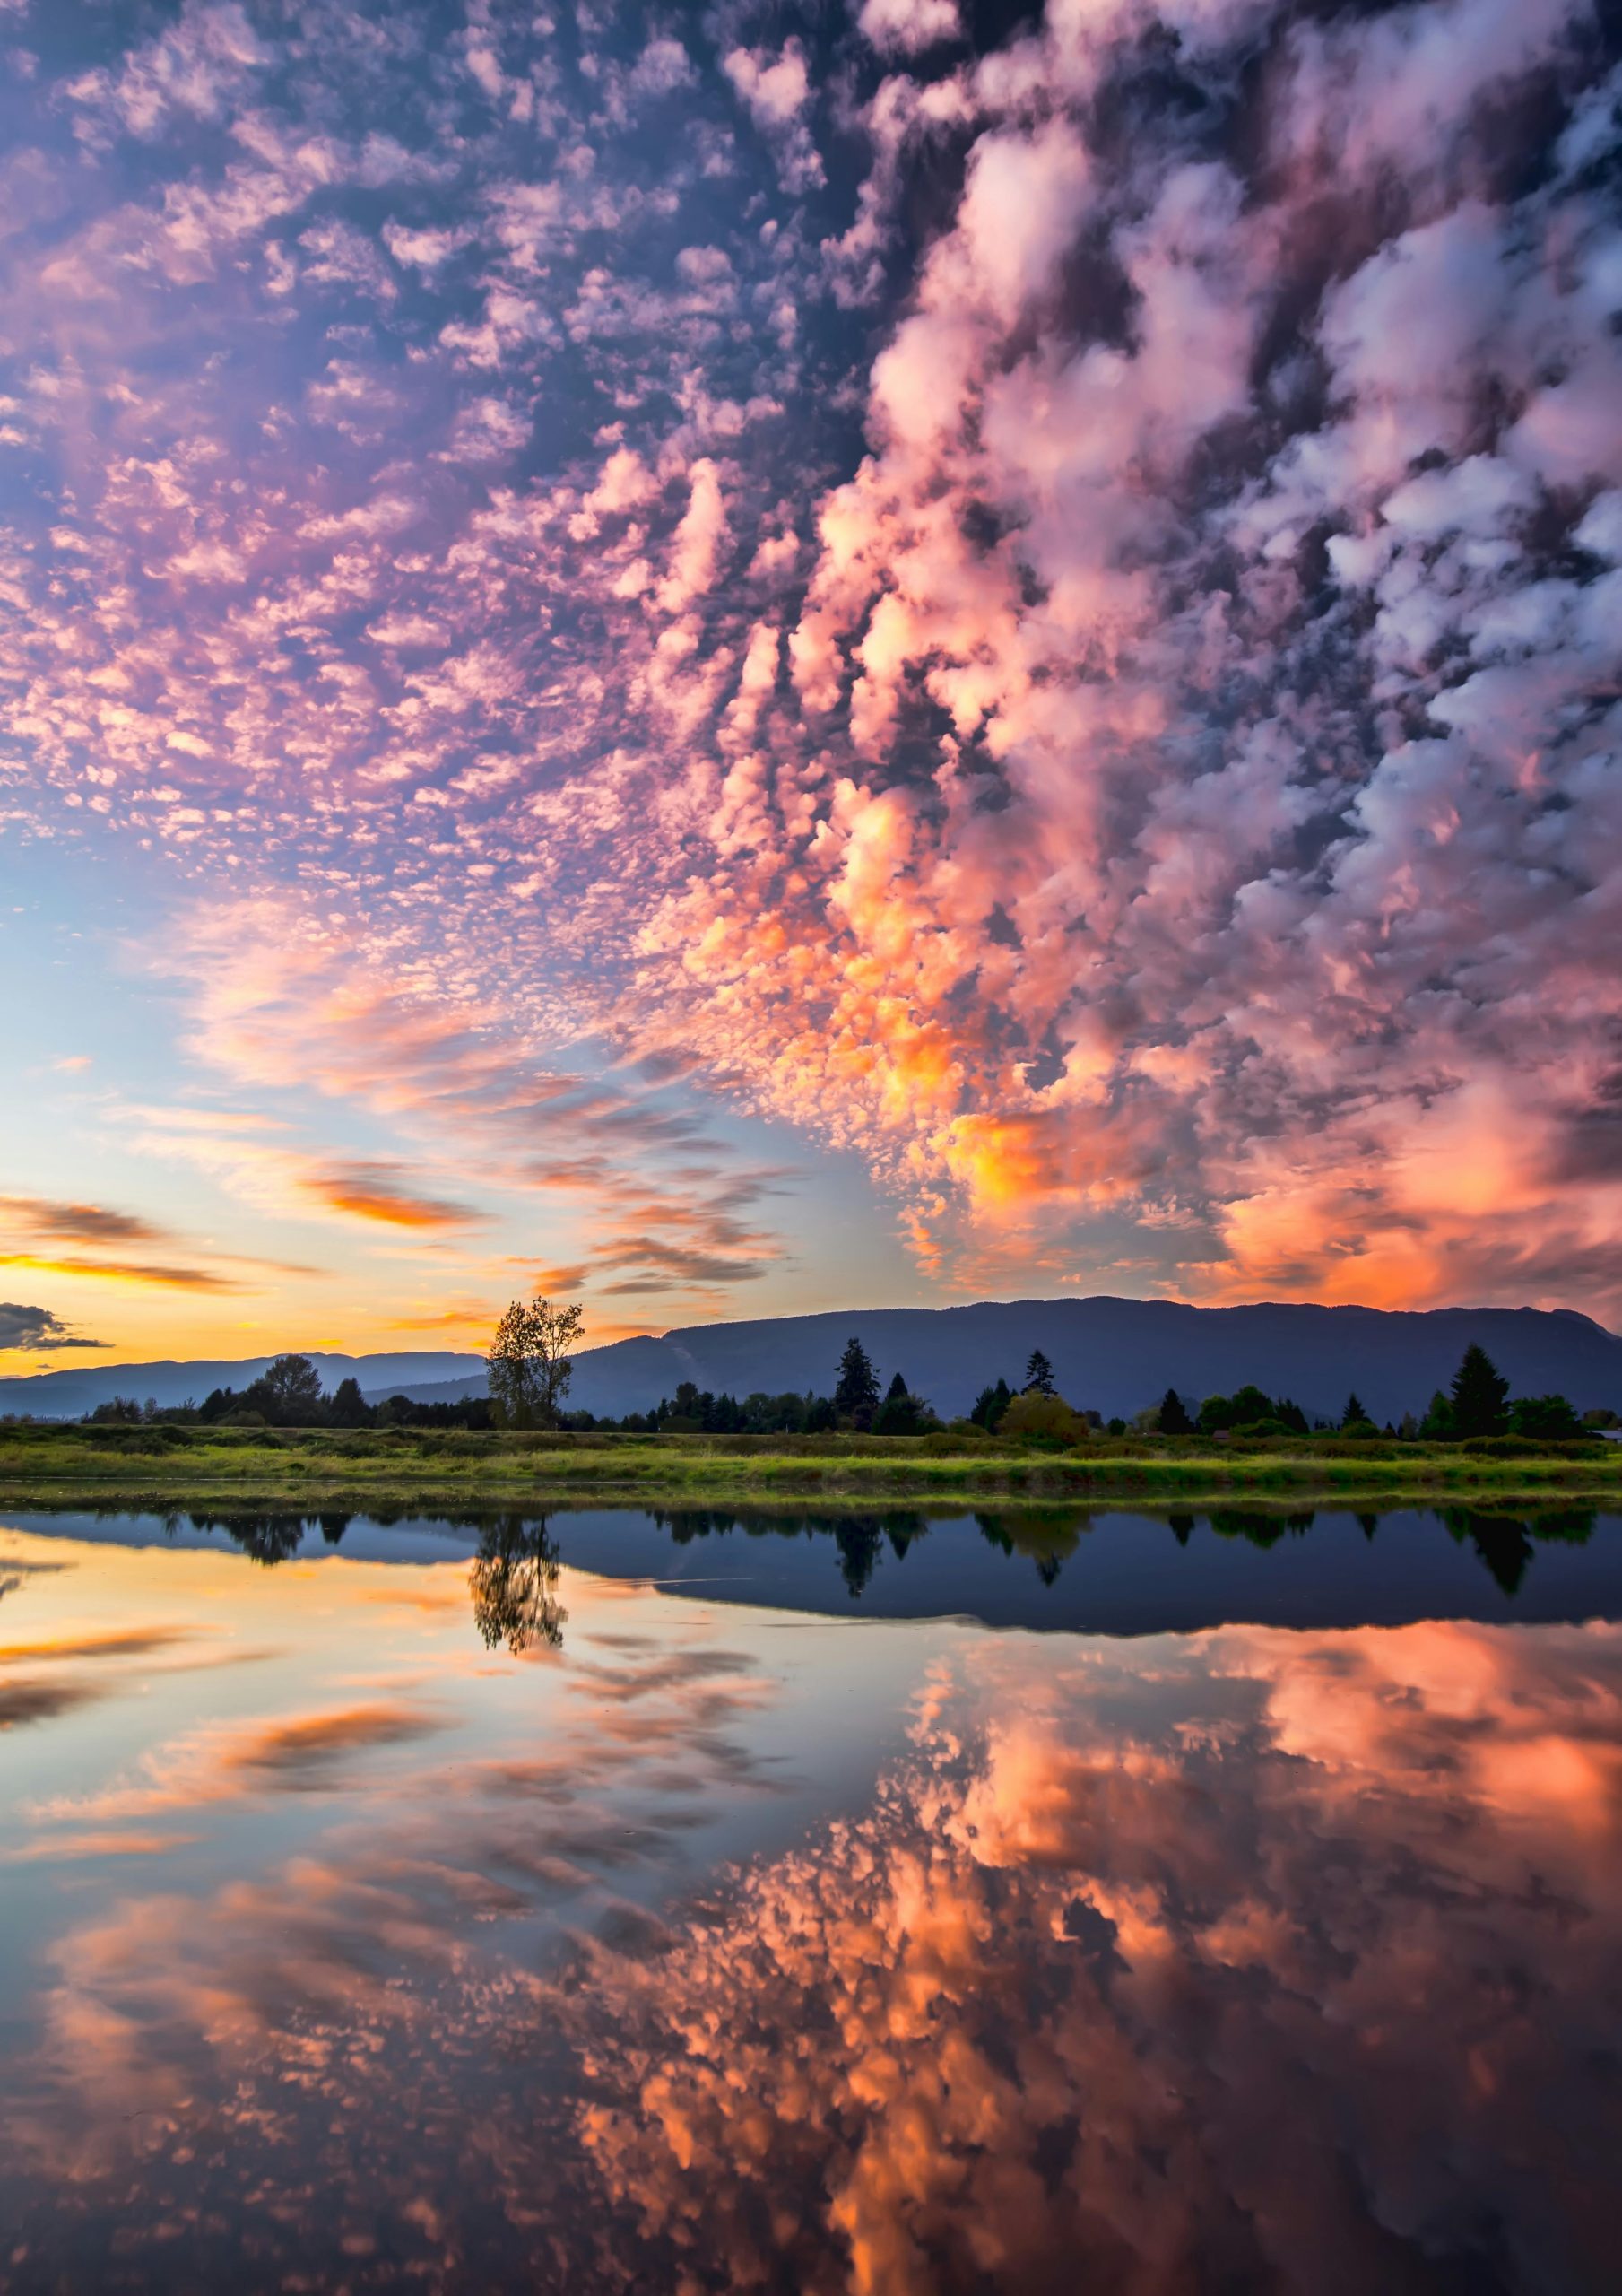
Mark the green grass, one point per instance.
(162, 1467)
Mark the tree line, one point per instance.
(289, 1393)
(530, 1367)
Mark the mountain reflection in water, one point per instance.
(615, 1937)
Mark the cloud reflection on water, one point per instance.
(1287, 1961)
(1244, 1959)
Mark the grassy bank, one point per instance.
(163, 1467)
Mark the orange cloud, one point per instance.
(179, 1279)
(375, 1192)
(79, 1223)
(63, 1849)
(59, 1222)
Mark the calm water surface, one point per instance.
(1017, 1902)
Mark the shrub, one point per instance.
(1034, 1413)
(1545, 1419)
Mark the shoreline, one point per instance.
(147, 1470)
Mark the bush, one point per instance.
(1038, 1414)
(1545, 1419)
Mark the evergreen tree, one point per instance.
(348, 1407)
(1174, 1419)
(1437, 1425)
(1479, 1394)
(902, 1412)
(858, 1388)
(1039, 1375)
(1354, 1413)
(990, 1405)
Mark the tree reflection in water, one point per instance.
(267, 1539)
(860, 1538)
(515, 1576)
(1049, 1536)
(1505, 1542)
(514, 1579)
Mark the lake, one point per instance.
(1028, 1900)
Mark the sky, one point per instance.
(743, 659)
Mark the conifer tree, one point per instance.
(1039, 1375)
(990, 1405)
(1174, 1419)
(1437, 1425)
(901, 1412)
(858, 1389)
(1480, 1396)
(348, 1407)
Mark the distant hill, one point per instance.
(1114, 1356)
(69, 1395)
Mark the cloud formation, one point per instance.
(36, 1329)
(1045, 614)
(48, 1230)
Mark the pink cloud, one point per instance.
(1151, 801)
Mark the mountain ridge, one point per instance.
(173, 1379)
(1110, 1355)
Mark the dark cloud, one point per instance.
(37, 1328)
(77, 1224)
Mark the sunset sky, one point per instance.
(749, 658)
